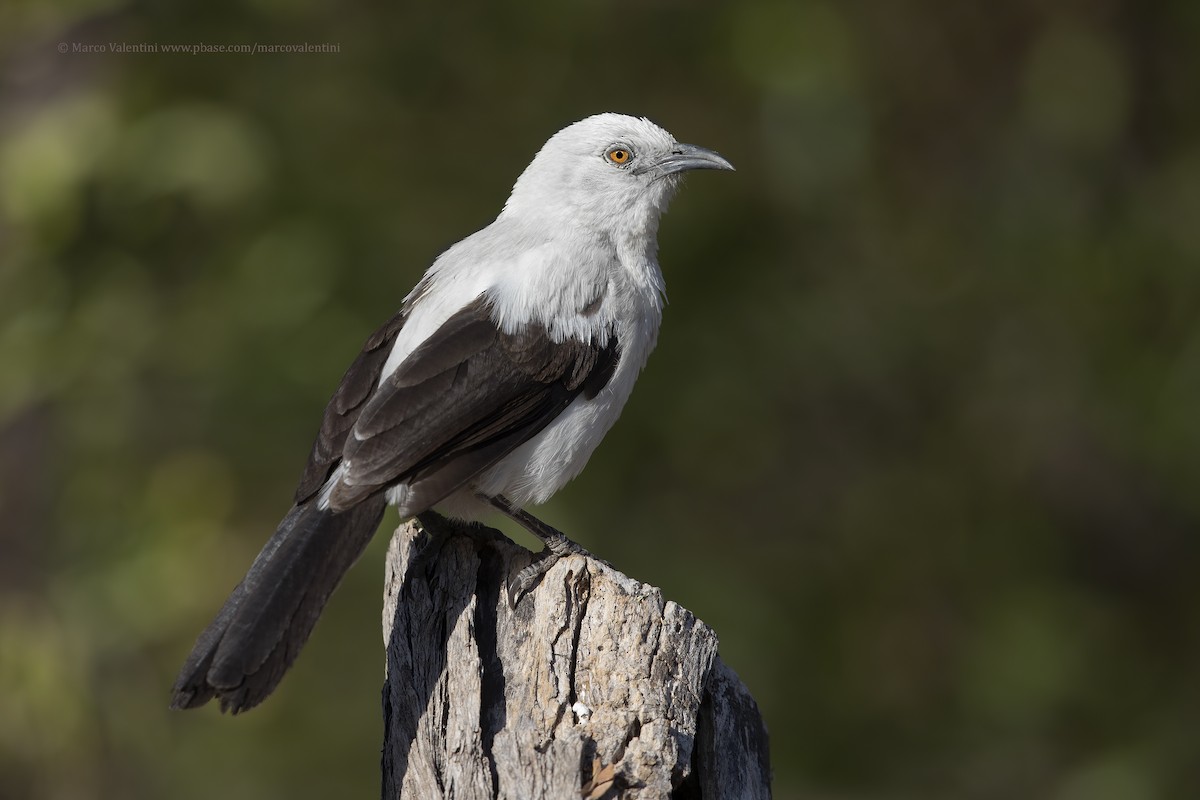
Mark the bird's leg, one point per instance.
(556, 544)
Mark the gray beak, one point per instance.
(684, 157)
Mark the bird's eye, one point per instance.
(619, 155)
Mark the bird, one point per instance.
(488, 390)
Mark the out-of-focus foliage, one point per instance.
(921, 439)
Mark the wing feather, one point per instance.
(343, 408)
(461, 401)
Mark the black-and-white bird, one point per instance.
(491, 387)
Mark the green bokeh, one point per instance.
(920, 439)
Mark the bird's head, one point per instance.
(609, 172)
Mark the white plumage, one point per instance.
(575, 249)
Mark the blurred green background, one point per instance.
(921, 439)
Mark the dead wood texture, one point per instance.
(594, 687)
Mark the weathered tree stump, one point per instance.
(593, 687)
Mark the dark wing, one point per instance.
(344, 407)
(460, 402)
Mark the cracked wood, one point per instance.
(595, 686)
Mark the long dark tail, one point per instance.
(241, 657)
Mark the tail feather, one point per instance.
(242, 655)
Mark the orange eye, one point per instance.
(619, 155)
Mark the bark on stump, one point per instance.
(594, 687)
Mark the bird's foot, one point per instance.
(557, 546)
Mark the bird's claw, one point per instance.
(529, 576)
